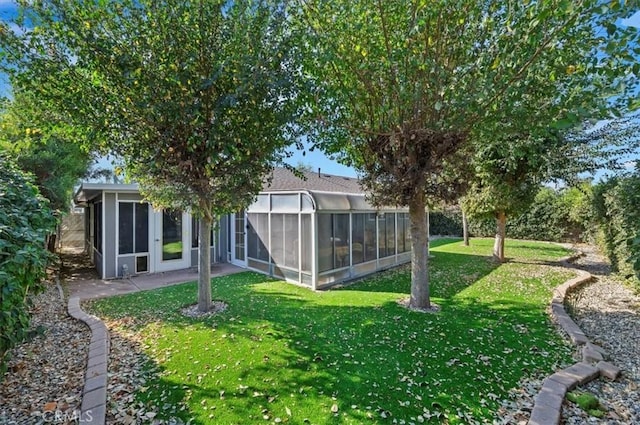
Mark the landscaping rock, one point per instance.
(46, 374)
(608, 370)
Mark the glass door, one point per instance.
(238, 233)
(171, 241)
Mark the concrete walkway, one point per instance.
(82, 281)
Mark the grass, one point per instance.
(282, 353)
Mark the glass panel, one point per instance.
(258, 236)
(357, 238)
(142, 227)
(142, 264)
(195, 235)
(195, 225)
(307, 203)
(341, 240)
(285, 202)
(291, 241)
(325, 244)
(382, 234)
(125, 227)
(239, 233)
(277, 238)
(171, 235)
(261, 203)
(391, 233)
(370, 247)
(307, 240)
(97, 226)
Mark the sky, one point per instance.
(316, 159)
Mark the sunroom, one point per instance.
(319, 238)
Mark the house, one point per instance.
(316, 232)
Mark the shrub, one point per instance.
(617, 209)
(25, 222)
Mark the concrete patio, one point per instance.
(81, 279)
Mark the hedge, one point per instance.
(25, 222)
(617, 209)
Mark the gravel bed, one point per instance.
(609, 314)
(45, 375)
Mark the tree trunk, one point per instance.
(465, 228)
(204, 265)
(419, 254)
(498, 245)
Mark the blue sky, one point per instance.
(315, 159)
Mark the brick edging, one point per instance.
(547, 407)
(94, 395)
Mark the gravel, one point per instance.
(45, 374)
(609, 314)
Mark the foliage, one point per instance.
(617, 211)
(282, 351)
(554, 215)
(401, 86)
(25, 222)
(197, 98)
(42, 144)
(587, 402)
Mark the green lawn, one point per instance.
(281, 353)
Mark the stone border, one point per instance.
(94, 395)
(547, 408)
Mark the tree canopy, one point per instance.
(197, 97)
(402, 85)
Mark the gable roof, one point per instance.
(283, 179)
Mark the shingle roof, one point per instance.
(284, 179)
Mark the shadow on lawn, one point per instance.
(303, 351)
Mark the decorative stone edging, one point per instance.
(547, 406)
(94, 395)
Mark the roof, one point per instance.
(283, 179)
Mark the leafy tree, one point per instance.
(195, 96)
(402, 85)
(42, 144)
(511, 168)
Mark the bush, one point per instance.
(553, 216)
(25, 222)
(617, 209)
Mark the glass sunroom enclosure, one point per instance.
(319, 238)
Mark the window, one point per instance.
(357, 238)
(133, 227)
(290, 240)
(97, 226)
(195, 233)
(391, 233)
(404, 241)
(382, 234)
(333, 241)
(306, 239)
(370, 251)
(257, 238)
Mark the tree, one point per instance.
(195, 96)
(44, 145)
(510, 169)
(402, 85)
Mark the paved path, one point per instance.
(82, 280)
